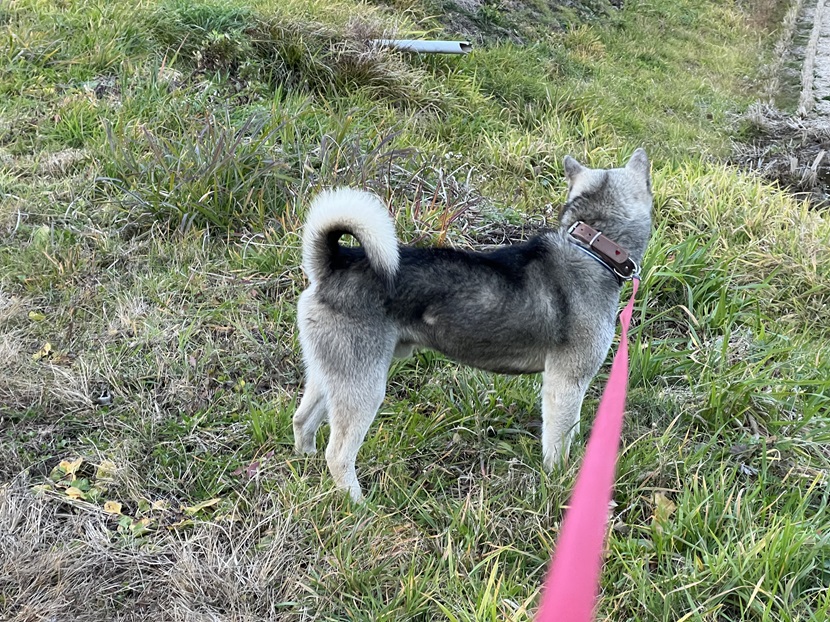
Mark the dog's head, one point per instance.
(615, 201)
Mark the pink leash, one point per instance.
(572, 586)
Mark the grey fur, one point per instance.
(541, 306)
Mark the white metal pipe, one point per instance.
(426, 47)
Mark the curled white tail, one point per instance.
(343, 210)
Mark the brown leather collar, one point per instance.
(614, 256)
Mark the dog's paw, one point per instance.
(556, 458)
(305, 449)
(356, 495)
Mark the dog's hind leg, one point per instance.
(353, 402)
(309, 416)
(561, 404)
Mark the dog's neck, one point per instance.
(629, 230)
(631, 239)
(615, 258)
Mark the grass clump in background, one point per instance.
(221, 176)
(286, 45)
(156, 159)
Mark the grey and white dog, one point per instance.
(546, 305)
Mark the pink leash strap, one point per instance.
(572, 586)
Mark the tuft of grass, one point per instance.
(279, 49)
(222, 176)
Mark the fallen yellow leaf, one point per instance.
(663, 509)
(193, 509)
(663, 504)
(74, 493)
(112, 507)
(36, 316)
(44, 353)
(185, 522)
(70, 467)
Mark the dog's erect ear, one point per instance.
(572, 169)
(639, 163)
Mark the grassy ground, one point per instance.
(155, 162)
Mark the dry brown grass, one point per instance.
(64, 561)
(790, 149)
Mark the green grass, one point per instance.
(156, 159)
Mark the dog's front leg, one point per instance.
(561, 404)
